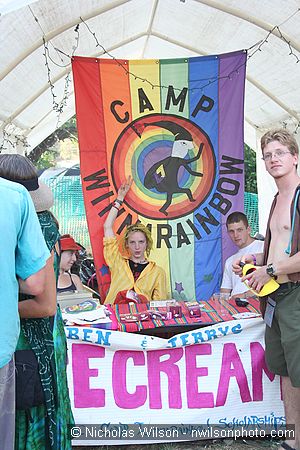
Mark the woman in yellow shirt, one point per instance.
(135, 272)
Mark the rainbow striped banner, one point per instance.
(175, 126)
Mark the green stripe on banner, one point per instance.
(181, 255)
(182, 260)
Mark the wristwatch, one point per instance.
(271, 270)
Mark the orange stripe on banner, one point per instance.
(116, 100)
(117, 113)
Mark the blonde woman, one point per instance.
(135, 271)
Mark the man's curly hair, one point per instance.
(143, 229)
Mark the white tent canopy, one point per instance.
(142, 29)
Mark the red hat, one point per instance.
(68, 243)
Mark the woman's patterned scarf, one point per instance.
(39, 335)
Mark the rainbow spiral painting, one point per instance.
(176, 127)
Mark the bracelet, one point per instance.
(254, 259)
(119, 201)
(115, 205)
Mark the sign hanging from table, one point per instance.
(214, 375)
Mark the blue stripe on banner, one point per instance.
(207, 256)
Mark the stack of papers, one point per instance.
(73, 298)
(245, 315)
(84, 313)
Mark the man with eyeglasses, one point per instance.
(281, 261)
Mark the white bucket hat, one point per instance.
(42, 197)
(40, 193)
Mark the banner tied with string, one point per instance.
(175, 126)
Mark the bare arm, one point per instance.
(77, 282)
(112, 215)
(245, 294)
(35, 283)
(43, 304)
(225, 290)
(259, 277)
(288, 265)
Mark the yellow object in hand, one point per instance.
(267, 289)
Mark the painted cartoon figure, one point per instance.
(163, 175)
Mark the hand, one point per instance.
(257, 279)
(237, 269)
(243, 295)
(124, 188)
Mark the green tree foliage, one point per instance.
(250, 169)
(49, 146)
(46, 160)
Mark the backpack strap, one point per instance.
(289, 247)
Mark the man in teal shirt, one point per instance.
(23, 255)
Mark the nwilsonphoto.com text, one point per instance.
(174, 432)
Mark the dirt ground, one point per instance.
(226, 444)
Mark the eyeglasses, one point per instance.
(278, 154)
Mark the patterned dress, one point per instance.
(46, 426)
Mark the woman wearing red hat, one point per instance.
(68, 281)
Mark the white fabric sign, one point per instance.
(214, 375)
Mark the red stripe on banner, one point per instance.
(88, 101)
(102, 96)
(91, 134)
